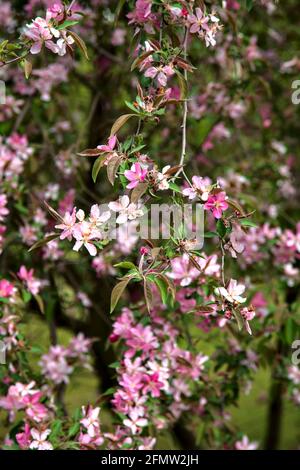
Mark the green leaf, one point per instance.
(97, 167)
(163, 289)
(221, 228)
(21, 208)
(136, 149)
(80, 43)
(109, 391)
(290, 330)
(43, 242)
(140, 59)
(175, 188)
(26, 296)
(117, 293)
(249, 4)
(40, 303)
(67, 24)
(74, 429)
(90, 153)
(112, 168)
(138, 192)
(125, 265)
(205, 126)
(119, 8)
(210, 234)
(247, 223)
(148, 295)
(238, 318)
(119, 123)
(27, 68)
(36, 350)
(131, 106)
(56, 428)
(182, 85)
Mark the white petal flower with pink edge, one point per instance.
(233, 292)
(40, 440)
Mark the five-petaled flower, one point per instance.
(217, 204)
(135, 175)
(40, 440)
(233, 292)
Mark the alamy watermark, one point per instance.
(2, 92)
(160, 222)
(296, 353)
(296, 93)
(2, 353)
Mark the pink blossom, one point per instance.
(24, 438)
(118, 37)
(79, 345)
(112, 141)
(135, 175)
(161, 74)
(55, 365)
(294, 374)
(28, 234)
(7, 289)
(198, 21)
(40, 440)
(245, 444)
(91, 420)
(142, 12)
(55, 11)
(185, 300)
(248, 314)
(233, 292)
(97, 218)
(68, 225)
(84, 233)
(40, 32)
(183, 270)
(127, 210)
(201, 187)
(34, 409)
(152, 384)
(31, 282)
(3, 209)
(217, 204)
(135, 422)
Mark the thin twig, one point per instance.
(22, 115)
(70, 6)
(223, 264)
(185, 109)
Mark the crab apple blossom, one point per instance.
(161, 74)
(216, 203)
(127, 210)
(27, 276)
(201, 187)
(39, 440)
(245, 444)
(233, 292)
(135, 175)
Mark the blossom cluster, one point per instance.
(87, 230)
(14, 152)
(264, 242)
(44, 32)
(201, 23)
(214, 198)
(60, 361)
(154, 367)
